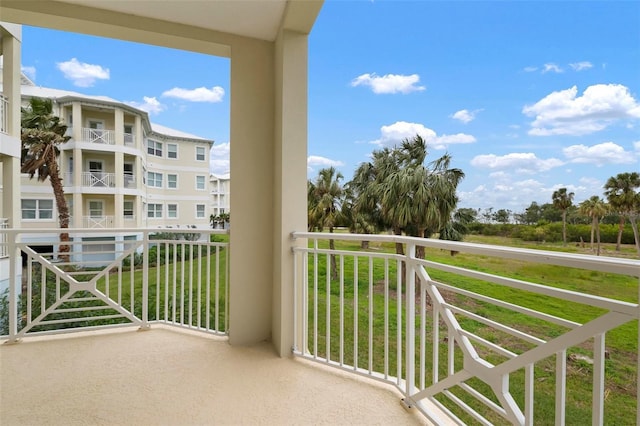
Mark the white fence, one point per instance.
(457, 337)
(174, 277)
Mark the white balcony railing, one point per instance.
(4, 224)
(101, 222)
(101, 136)
(462, 340)
(455, 337)
(99, 179)
(169, 278)
(4, 114)
(129, 139)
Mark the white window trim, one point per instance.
(177, 183)
(177, 216)
(177, 151)
(155, 211)
(37, 209)
(204, 213)
(154, 180)
(204, 149)
(204, 180)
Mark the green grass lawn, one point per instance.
(621, 343)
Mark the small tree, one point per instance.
(594, 208)
(563, 200)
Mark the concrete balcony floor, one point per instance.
(168, 376)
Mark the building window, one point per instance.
(200, 211)
(172, 211)
(172, 181)
(95, 208)
(128, 134)
(37, 209)
(200, 182)
(154, 148)
(154, 180)
(127, 209)
(154, 211)
(200, 154)
(172, 150)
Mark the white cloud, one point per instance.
(465, 116)
(601, 154)
(636, 146)
(219, 160)
(551, 67)
(530, 69)
(583, 65)
(149, 104)
(389, 83)
(29, 72)
(394, 134)
(82, 74)
(520, 162)
(201, 94)
(318, 161)
(565, 113)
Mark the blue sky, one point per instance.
(527, 97)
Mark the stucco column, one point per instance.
(252, 132)
(11, 141)
(118, 204)
(290, 162)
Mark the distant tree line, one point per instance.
(398, 191)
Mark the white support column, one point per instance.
(252, 133)
(11, 145)
(290, 162)
(119, 169)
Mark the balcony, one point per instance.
(99, 179)
(100, 222)
(4, 114)
(99, 136)
(455, 340)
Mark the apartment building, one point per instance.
(119, 170)
(220, 189)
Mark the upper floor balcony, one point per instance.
(471, 334)
(102, 136)
(4, 115)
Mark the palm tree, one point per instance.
(420, 198)
(620, 191)
(595, 208)
(42, 133)
(562, 200)
(328, 194)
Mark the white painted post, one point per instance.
(598, 379)
(145, 280)
(14, 255)
(410, 334)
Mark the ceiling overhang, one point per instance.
(206, 26)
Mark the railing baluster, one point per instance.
(370, 315)
(399, 322)
(328, 313)
(341, 310)
(315, 307)
(410, 324)
(528, 394)
(386, 318)
(561, 387)
(598, 379)
(355, 312)
(145, 282)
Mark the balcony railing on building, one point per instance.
(462, 340)
(4, 114)
(4, 224)
(98, 179)
(168, 277)
(93, 222)
(129, 139)
(100, 136)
